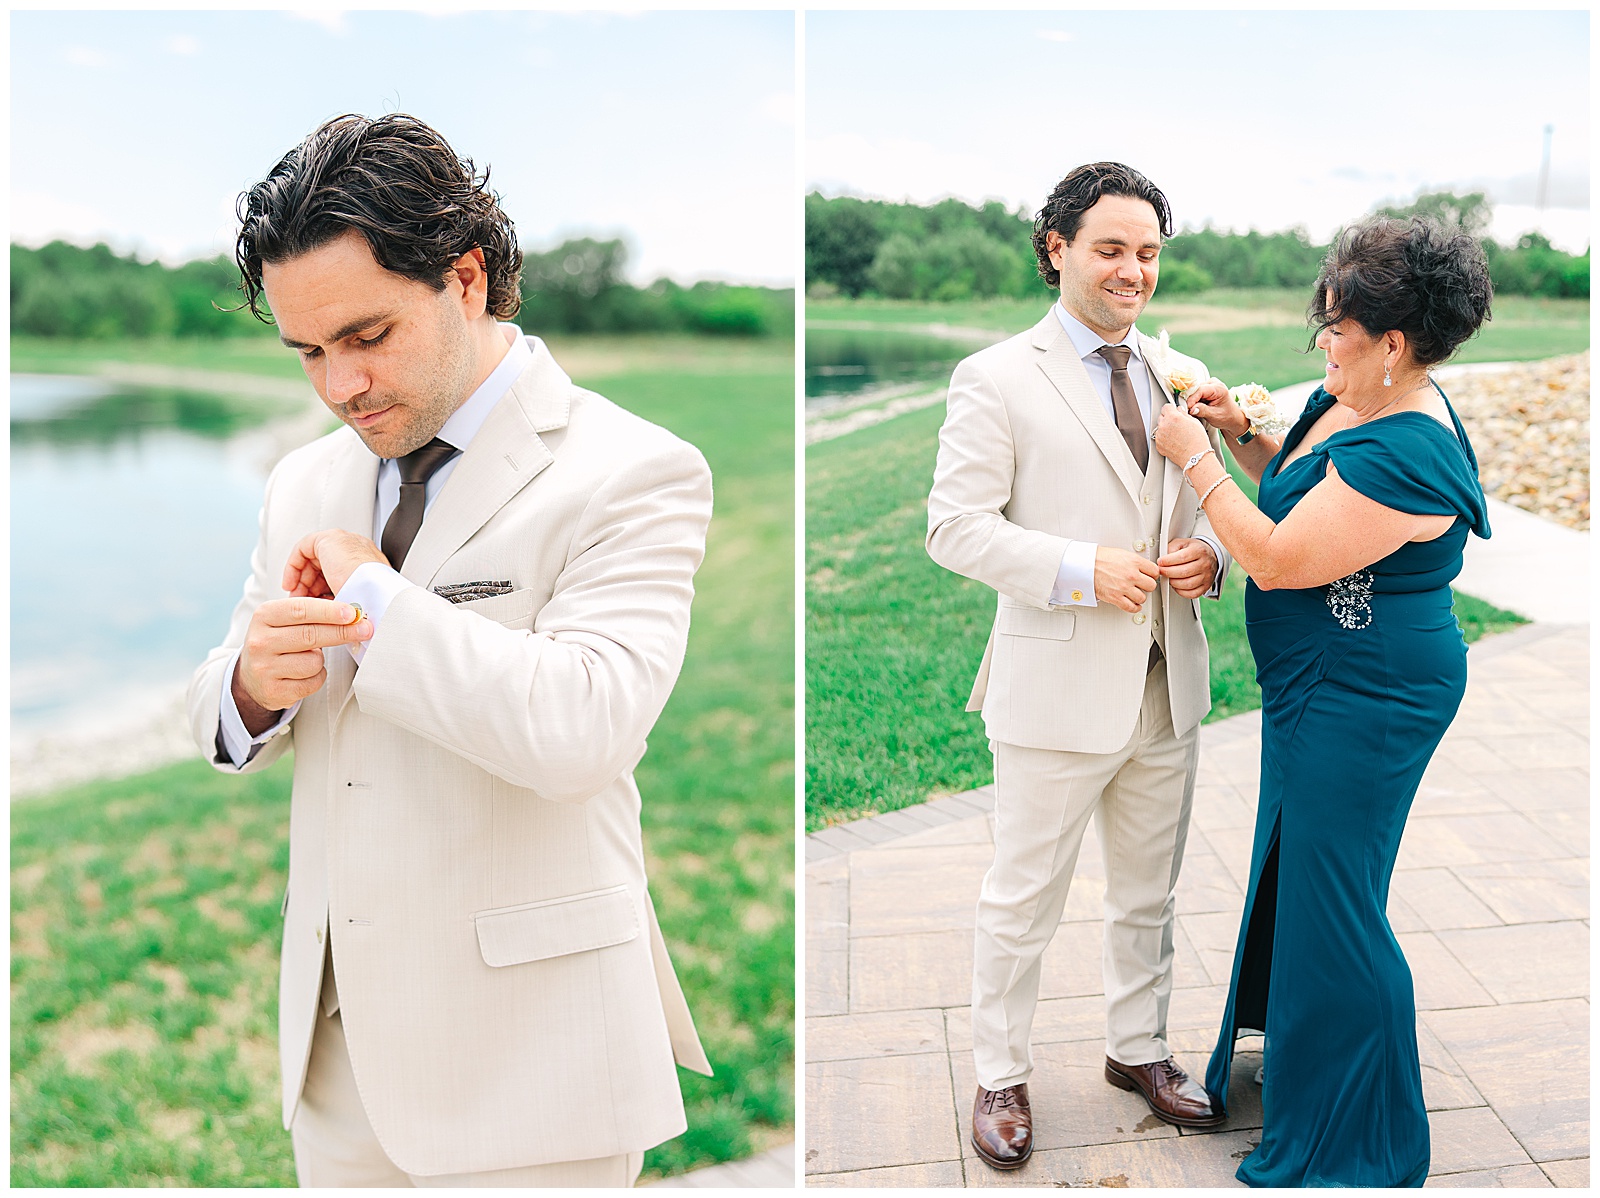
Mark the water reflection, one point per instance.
(133, 514)
(843, 365)
(65, 409)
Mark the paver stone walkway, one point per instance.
(1490, 901)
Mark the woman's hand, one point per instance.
(1179, 436)
(1211, 402)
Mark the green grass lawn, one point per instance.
(893, 640)
(145, 924)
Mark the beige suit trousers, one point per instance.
(335, 1146)
(1140, 798)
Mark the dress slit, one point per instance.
(1255, 965)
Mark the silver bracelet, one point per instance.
(1195, 461)
(1226, 477)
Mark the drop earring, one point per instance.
(1387, 381)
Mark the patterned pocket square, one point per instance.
(465, 592)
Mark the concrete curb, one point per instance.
(770, 1170)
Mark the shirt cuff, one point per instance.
(1075, 576)
(373, 585)
(1222, 569)
(233, 737)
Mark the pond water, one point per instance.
(133, 515)
(845, 365)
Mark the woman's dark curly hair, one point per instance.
(1414, 276)
(399, 184)
(1080, 191)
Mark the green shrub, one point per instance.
(1183, 278)
(66, 291)
(957, 251)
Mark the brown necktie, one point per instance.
(1126, 404)
(416, 468)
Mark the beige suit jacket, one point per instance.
(465, 823)
(1028, 460)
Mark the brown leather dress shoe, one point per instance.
(1172, 1094)
(1002, 1126)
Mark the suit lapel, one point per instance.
(349, 503)
(1172, 478)
(506, 454)
(351, 498)
(1061, 365)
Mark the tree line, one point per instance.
(63, 290)
(953, 250)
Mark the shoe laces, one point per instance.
(1170, 1068)
(1001, 1099)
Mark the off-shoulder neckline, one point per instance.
(1456, 432)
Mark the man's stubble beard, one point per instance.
(433, 401)
(1092, 308)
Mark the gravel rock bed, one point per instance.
(1529, 424)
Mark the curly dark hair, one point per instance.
(398, 183)
(1413, 275)
(1080, 191)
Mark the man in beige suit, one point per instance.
(465, 612)
(1094, 680)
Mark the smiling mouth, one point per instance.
(365, 418)
(1124, 292)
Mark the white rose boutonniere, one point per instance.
(1257, 404)
(1182, 372)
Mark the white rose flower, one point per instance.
(1257, 404)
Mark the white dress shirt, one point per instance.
(1076, 573)
(374, 585)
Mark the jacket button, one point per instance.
(1147, 501)
(1077, 596)
(1141, 546)
(319, 935)
(1139, 619)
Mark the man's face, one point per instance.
(391, 357)
(1108, 272)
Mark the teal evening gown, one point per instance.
(1359, 681)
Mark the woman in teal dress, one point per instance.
(1365, 506)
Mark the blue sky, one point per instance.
(1256, 119)
(674, 130)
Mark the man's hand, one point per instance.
(1189, 566)
(281, 661)
(1123, 578)
(323, 561)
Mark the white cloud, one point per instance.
(85, 56)
(183, 43)
(1567, 228)
(331, 19)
